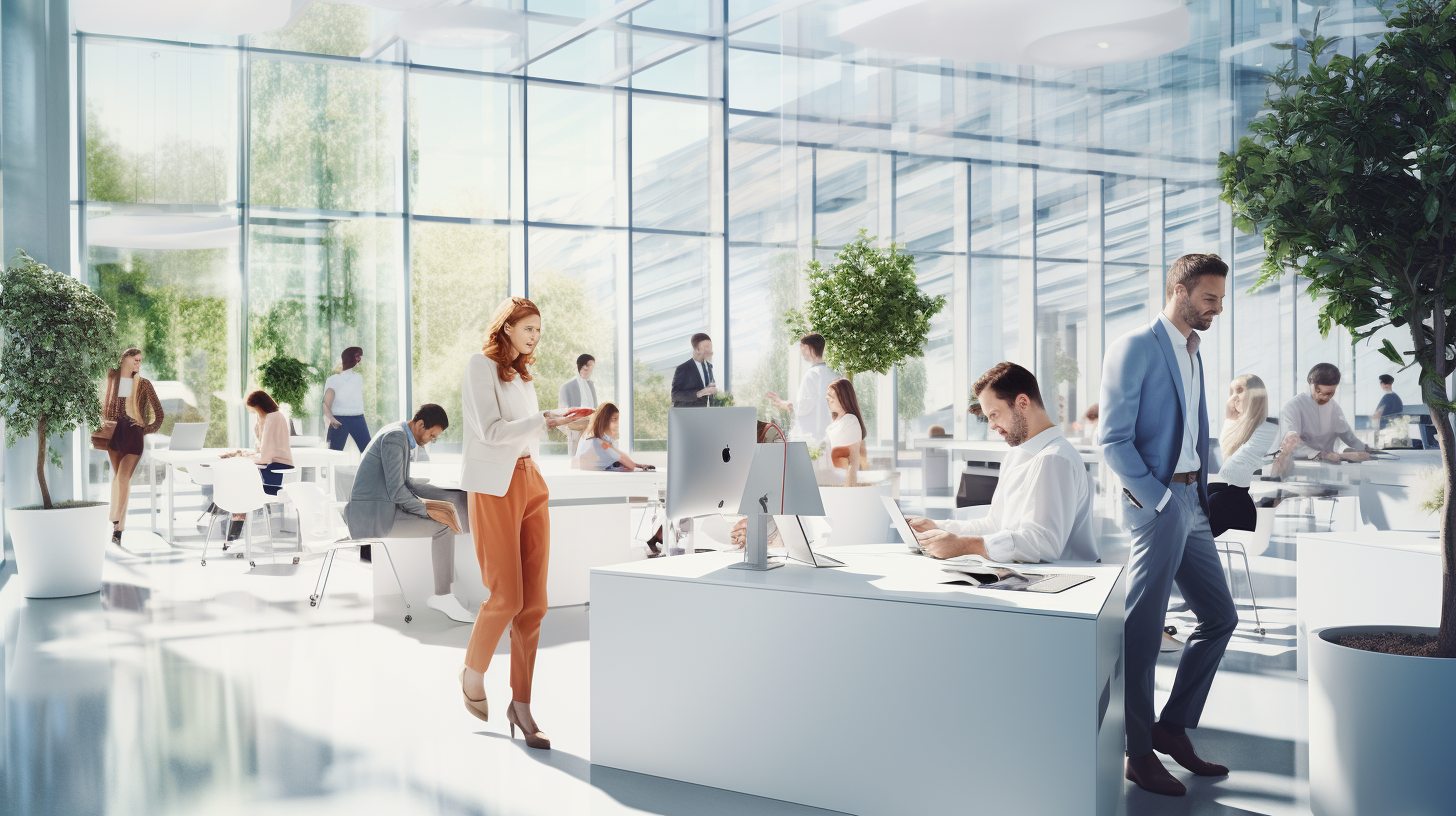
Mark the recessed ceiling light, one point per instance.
(1103, 45)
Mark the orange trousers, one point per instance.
(513, 542)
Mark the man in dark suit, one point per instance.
(693, 384)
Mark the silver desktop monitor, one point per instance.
(709, 452)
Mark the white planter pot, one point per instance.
(60, 552)
(1382, 729)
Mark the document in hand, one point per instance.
(443, 512)
(989, 575)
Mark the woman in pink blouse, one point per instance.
(273, 454)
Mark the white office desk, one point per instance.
(321, 458)
(869, 689)
(590, 526)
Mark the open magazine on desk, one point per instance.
(985, 574)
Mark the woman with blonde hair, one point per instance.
(133, 410)
(1248, 435)
(508, 515)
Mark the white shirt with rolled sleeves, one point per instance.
(811, 407)
(1318, 426)
(1042, 508)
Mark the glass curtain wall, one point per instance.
(649, 174)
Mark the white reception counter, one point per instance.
(869, 689)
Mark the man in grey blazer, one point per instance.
(1154, 436)
(578, 392)
(386, 503)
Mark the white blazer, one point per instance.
(499, 426)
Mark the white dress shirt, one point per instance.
(845, 432)
(588, 398)
(1042, 507)
(811, 408)
(1238, 469)
(703, 372)
(1318, 427)
(1192, 374)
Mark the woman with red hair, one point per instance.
(508, 515)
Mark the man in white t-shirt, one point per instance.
(344, 403)
(810, 408)
(1317, 420)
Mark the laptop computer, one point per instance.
(188, 436)
(796, 542)
(902, 527)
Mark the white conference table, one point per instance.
(322, 458)
(871, 689)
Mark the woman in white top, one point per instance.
(508, 514)
(1248, 435)
(846, 430)
(344, 403)
(597, 449)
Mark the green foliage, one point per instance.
(60, 339)
(571, 324)
(868, 306)
(287, 380)
(1351, 178)
(910, 383)
(771, 372)
(651, 400)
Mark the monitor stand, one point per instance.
(755, 552)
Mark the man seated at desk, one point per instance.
(386, 503)
(1318, 421)
(1042, 508)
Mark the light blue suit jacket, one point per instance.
(1141, 428)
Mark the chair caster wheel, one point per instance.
(312, 602)
(253, 564)
(408, 618)
(237, 555)
(1172, 630)
(224, 548)
(1260, 631)
(295, 559)
(204, 562)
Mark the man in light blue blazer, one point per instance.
(1154, 436)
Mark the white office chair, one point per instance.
(238, 488)
(321, 530)
(1234, 542)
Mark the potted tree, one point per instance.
(59, 339)
(869, 308)
(1350, 176)
(287, 379)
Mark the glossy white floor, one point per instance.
(184, 689)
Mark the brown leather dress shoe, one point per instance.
(1148, 773)
(1180, 748)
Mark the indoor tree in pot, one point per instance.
(1351, 178)
(869, 308)
(287, 380)
(59, 339)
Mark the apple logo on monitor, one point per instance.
(727, 454)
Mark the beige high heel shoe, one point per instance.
(480, 709)
(536, 740)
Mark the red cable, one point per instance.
(784, 475)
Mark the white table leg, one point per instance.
(151, 482)
(171, 476)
